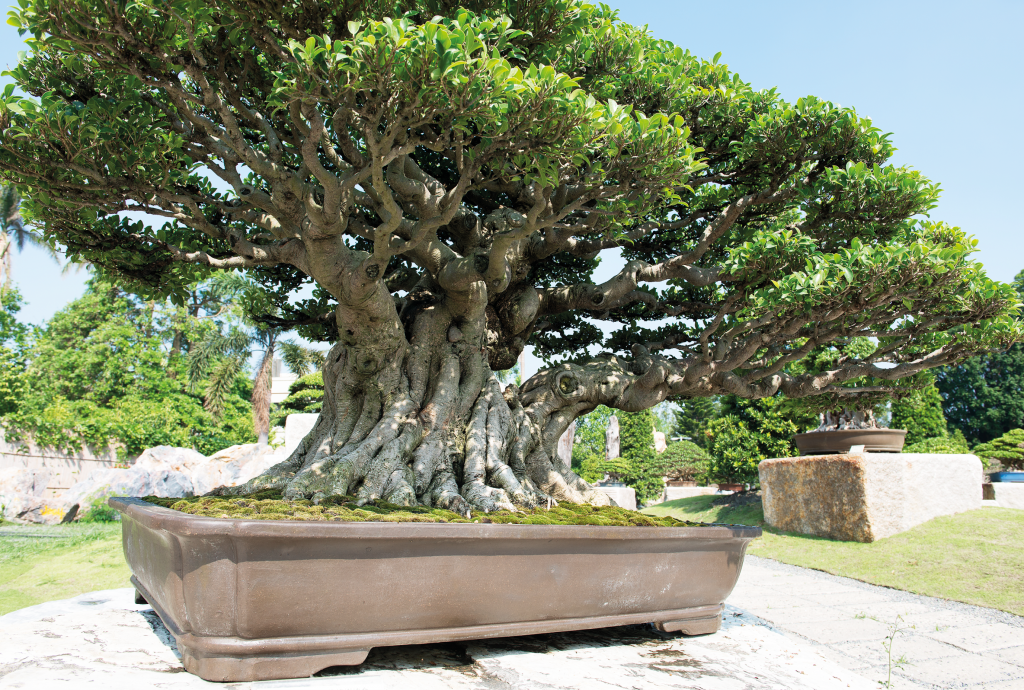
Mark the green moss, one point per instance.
(268, 505)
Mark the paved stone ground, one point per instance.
(786, 628)
(102, 640)
(950, 645)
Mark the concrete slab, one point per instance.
(980, 638)
(947, 644)
(102, 640)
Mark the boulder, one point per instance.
(296, 426)
(182, 460)
(869, 496)
(233, 466)
(136, 481)
(21, 495)
(228, 467)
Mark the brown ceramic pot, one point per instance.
(681, 482)
(262, 599)
(830, 442)
(730, 487)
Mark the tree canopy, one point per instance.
(359, 143)
(449, 177)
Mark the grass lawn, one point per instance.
(42, 563)
(973, 557)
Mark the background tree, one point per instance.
(588, 450)
(983, 397)
(747, 432)
(920, 413)
(637, 465)
(448, 178)
(15, 233)
(100, 372)
(684, 460)
(693, 417)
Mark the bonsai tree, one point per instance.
(449, 178)
(684, 461)
(1008, 449)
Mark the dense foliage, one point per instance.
(983, 397)
(588, 449)
(684, 460)
(747, 432)
(920, 413)
(769, 228)
(1008, 449)
(102, 372)
(306, 394)
(951, 444)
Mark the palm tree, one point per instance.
(217, 360)
(14, 232)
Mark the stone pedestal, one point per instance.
(868, 496)
(623, 496)
(1008, 494)
(674, 492)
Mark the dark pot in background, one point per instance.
(731, 487)
(836, 442)
(263, 599)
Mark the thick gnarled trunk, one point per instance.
(427, 423)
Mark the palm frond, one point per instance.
(221, 378)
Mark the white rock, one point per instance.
(296, 426)
(22, 493)
(611, 438)
(233, 466)
(136, 481)
(21, 480)
(623, 496)
(182, 460)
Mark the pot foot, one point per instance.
(277, 667)
(693, 626)
(139, 599)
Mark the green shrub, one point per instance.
(684, 461)
(99, 511)
(306, 394)
(952, 444)
(1008, 449)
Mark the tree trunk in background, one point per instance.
(261, 395)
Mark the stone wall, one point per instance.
(64, 470)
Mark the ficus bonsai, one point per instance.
(449, 176)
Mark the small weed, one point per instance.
(900, 662)
(861, 616)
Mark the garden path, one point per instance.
(946, 644)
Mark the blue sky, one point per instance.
(944, 77)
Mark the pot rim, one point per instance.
(158, 517)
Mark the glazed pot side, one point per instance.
(829, 442)
(262, 599)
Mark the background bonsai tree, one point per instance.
(1008, 449)
(448, 179)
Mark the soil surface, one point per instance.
(268, 505)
